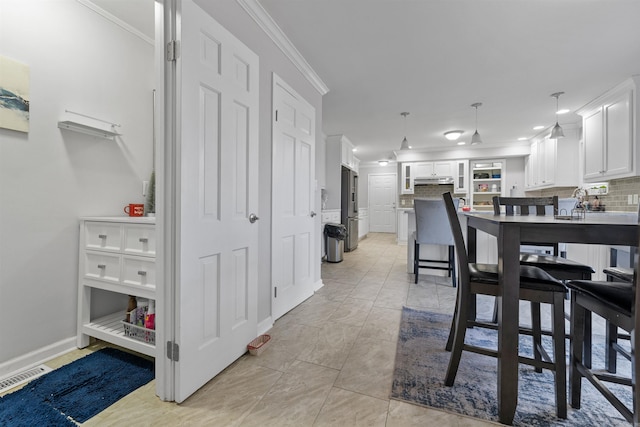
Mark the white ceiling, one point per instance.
(434, 58)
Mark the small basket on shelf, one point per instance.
(139, 333)
(258, 345)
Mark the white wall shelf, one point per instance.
(88, 130)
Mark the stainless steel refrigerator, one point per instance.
(350, 207)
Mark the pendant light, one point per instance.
(475, 138)
(556, 132)
(405, 143)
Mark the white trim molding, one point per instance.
(271, 28)
(37, 357)
(100, 11)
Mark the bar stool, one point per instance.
(432, 228)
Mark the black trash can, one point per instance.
(335, 235)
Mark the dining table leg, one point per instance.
(508, 320)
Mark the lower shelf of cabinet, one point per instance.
(109, 329)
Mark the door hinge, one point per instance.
(276, 115)
(275, 292)
(173, 351)
(172, 50)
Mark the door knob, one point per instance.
(253, 218)
(312, 214)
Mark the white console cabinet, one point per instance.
(116, 254)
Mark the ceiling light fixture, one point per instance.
(538, 127)
(475, 139)
(556, 132)
(461, 143)
(452, 135)
(405, 143)
(383, 162)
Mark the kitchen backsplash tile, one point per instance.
(615, 200)
(424, 191)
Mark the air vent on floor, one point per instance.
(23, 377)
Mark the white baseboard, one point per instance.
(37, 357)
(265, 325)
(318, 285)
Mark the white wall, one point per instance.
(233, 17)
(49, 178)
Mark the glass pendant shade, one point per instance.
(475, 139)
(556, 132)
(405, 144)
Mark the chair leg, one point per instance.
(416, 260)
(586, 358)
(536, 328)
(610, 354)
(452, 265)
(460, 322)
(575, 354)
(559, 354)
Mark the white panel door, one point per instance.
(382, 203)
(217, 144)
(293, 199)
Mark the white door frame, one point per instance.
(166, 196)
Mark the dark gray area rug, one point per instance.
(421, 364)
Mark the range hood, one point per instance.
(436, 180)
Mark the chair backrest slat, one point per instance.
(525, 203)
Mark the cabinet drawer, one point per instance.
(103, 236)
(138, 271)
(140, 239)
(102, 266)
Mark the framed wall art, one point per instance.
(14, 95)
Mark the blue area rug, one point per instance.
(77, 391)
(421, 364)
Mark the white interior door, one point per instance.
(293, 227)
(382, 203)
(217, 149)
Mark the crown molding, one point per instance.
(269, 26)
(119, 22)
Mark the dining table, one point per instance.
(511, 231)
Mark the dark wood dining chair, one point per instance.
(612, 348)
(432, 228)
(536, 286)
(559, 267)
(616, 302)
(554, 264)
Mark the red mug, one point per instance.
(134, 209)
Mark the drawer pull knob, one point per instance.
(142, 273)
(143, 240)
(102, 236)
(102, 266)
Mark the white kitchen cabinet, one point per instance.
(553, 163)
(433, 169)
(609, 134)
(363, 223)
(343, 146)
(403, 226)
(487, 180)
(116, 254)
(406, 185)
(460, 176)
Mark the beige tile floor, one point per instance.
(330, 362)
